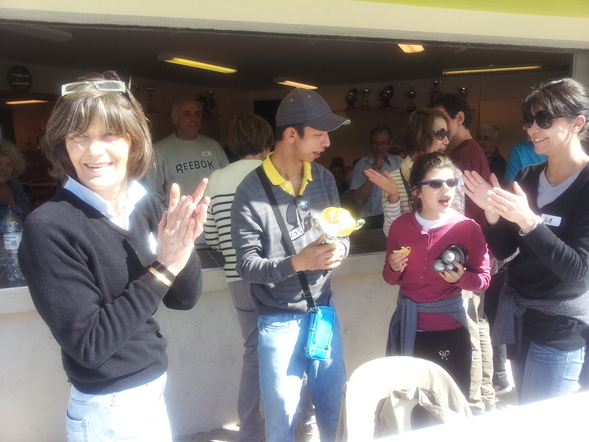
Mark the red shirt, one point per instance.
(419, 281)
(469, 155)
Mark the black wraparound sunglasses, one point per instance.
(441, 134)
(542, 118)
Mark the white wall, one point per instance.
(378, 19)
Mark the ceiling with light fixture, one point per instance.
(259, 58)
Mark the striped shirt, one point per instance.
(221, 190)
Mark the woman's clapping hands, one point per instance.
(180, 226)
(497, 202)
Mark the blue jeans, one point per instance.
(546, 373)
(281, 350)
(138, 414)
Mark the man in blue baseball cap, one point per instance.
(300, 188)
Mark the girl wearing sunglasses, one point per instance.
(426, 131)
(543, 312)
(430, 320)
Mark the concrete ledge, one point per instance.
(18, 299)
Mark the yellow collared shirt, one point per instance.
(277, 180)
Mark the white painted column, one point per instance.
(581, 68)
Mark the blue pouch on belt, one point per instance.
(321, 321)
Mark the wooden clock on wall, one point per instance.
(19, 78)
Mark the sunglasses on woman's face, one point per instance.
(437, 184)
(441, 134)
(542, 118)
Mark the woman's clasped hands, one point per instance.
(180, 226)
(497, 202)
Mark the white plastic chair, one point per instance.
(383, 393)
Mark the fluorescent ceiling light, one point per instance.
(195, 64)
(26, 101)
(39, 31)
(411, 49)
(286, 82)
(489, 69)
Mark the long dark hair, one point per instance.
(561, 97)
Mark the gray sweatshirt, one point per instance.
(262, 256)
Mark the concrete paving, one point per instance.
(504, 402)
(232, 435)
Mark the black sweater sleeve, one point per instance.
(93, 291)
(187, 286)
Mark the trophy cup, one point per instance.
(365, 104)
(212, 103)
(208, 103)
(386, 94)
(412, 95)
(351, 98)
(150, 90)
(336, 224)
(436, 89)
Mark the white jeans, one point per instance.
(138, 414)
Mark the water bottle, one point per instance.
(2, 252)
(12, 233)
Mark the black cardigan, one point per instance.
(553, 262)
(89, 282)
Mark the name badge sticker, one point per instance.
(296, 233)
(551, 220)
(206, 153)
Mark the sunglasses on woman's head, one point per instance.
(542, 118)
(441, 134)
(101, 85)
(437, 184)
